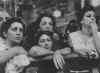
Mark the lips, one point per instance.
(18, 38)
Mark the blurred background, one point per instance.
(63, 10)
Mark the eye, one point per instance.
(21, 29)
(43, 23)
(42, 40)
(89, 15)
(14, 29)
(48, 40)
(51, 23)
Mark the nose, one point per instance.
(18, 32)
(93, 19)
(48, 26)
(46, 44)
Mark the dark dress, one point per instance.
(44, 66)
(80, 63)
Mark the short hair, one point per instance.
(7, 24)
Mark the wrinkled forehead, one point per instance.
(16, 24)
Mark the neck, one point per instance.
(86, 31)
(10, 44)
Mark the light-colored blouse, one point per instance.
(16, 58)
(83, 43)
(17, 64)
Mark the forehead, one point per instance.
(89, 12)
(44, 36)
(16, 24)
(46, 19)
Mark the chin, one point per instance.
(17, 41)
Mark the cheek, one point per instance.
(10, 34)
(41, 44)
(50, 44)
(51, 26)
(42, 26)
(85, 18)
(22, 34)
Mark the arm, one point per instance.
(39, 52)
(65, 51)
(96, 37)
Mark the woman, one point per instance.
(12, 32)
(49, 59)
(85, 42)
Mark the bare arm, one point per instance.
(39, 52)
(96, 38)
(96, 41)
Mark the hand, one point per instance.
(58, 60)
(93, 26)
(93, 54)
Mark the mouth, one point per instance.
(46, 47)
(18, 38)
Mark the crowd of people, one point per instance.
(40, 48)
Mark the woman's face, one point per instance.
(15, 33)
(46, 24)
(88, 17)
(45, 41)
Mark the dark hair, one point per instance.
(82, 12)
(33, 28)
(72, 26)
(7, 24)
(37, 23)
(40, 33)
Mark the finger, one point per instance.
(60, 63)
(61, 60)
(55, 62)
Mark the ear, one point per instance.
(5, 34)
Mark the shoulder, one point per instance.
(74, 34)
(19, 50)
